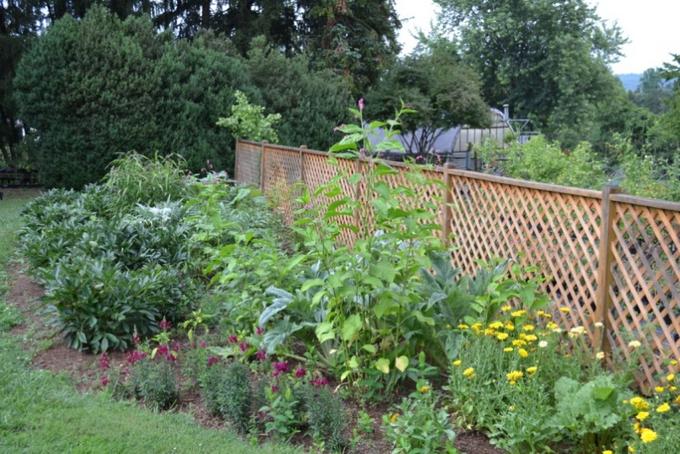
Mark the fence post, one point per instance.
(237, 153)
(604, 274)
(302, 163)
(263, 163)
(446, 209)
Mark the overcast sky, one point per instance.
(651, 27)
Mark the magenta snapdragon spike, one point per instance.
(135, 339)
(259, 331)
(244, 346)
(135, 356)
(275, 389)
(320, 381)
(176, 346)
(300, 372)
(203, 344)
(233, 339)
(165, 325)
(212, 360)
(104, 361)
(361, 104)
(261, 355)
(104, 380)
(280, 367)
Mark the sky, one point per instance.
(650, 26)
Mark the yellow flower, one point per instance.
(501, 336)
(641, 416)
(528, 328)
(673, 388)
(489, 332)
(518, 343)
(552, 325)
(576, 331)
(509, 326)
(677, 400)
(523, 353)
(532, 370)
(659, 389)
(506, 308)
(469, 372)
(647, 435)
(564, 310)
(607, 451)
(530, 338)
(663, 408)
(394, 417)
(519, 313)
(496, 325)
(634, 344)
(476, 327)
(673, 362)
(514, 376)
(631, 449)
(507, 349)
(599, 355)
(424, 389)
(639, 403)
(463, 326)
(670, 378)
(457, 363)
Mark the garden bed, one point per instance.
(185, 298)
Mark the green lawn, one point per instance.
(41, 412)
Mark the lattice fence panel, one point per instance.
(247, 166)
(557, 232)
(282, 177)
(645, 288)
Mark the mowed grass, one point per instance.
(41, 412)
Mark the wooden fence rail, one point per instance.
(611, 258)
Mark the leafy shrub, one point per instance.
(236, 396)
(249, 122)
(101, 305)
(154, 381)
(326, 417)
(417, 425)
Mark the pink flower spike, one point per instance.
(361, 104)
(203, 344)
(165, 325)
(300, 372)
(244, 346)
(261, 355)
(104, 380)
(212, 360)
(104, 362)
(259, 331)
(233, 339)
(275, 389)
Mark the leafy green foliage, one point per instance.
(249, 122)
(235, 396)
(326, 416)
(155, 383)
(417, 425)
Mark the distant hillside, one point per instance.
(630, 81)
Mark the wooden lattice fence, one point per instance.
(610, 258)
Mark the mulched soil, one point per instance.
(25, 294)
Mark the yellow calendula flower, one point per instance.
(496, 325)
(519, 313)
(394, 417)
(518, 342)
(647, 435)
(424, 389)
(463, 326)
(673, 362)
(531, 338)
(514, 376)
(670, 378)
(599, 355)
(673, 388)
(489, 331)
(663, 408)
(476, 327)
(634, 344)
(639, 403)
(502, 336)
(636, 427)
(607, 451)
(507, 349)
(641, 416)
(528, 328)
(551, 325)
(631, 449)
(564, 310)
(506, 308)
(457, 362)
(532, 370)
(523, 353)
(509, 326)
(469, 372)
(659, 389)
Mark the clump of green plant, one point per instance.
(326, 418)
(248, 121)
(417, 424)
(227, 392)
(155, 383)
